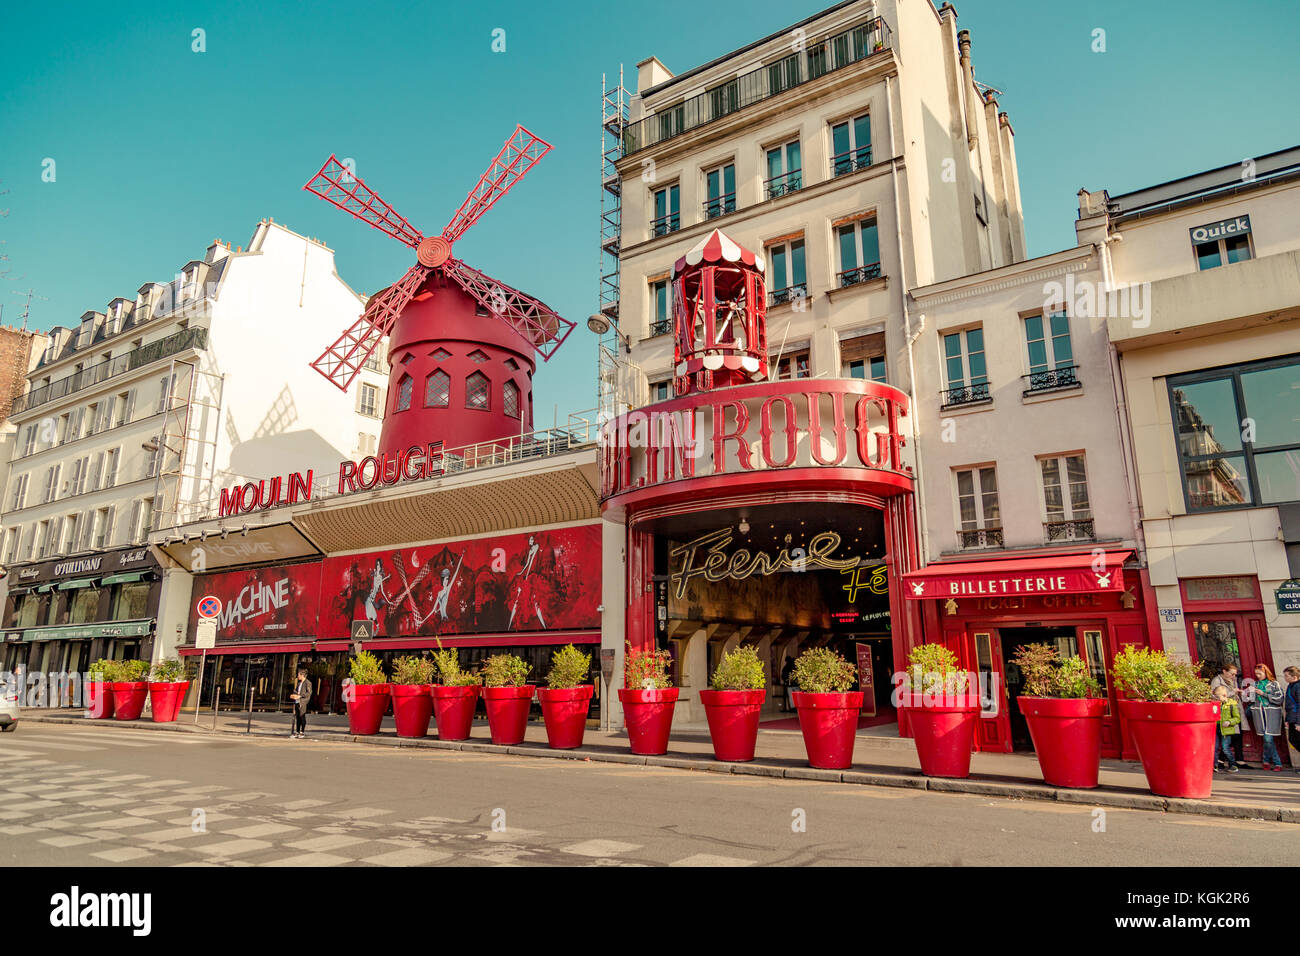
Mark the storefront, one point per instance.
(1089, 604)
(63, 615)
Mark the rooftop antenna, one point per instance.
(27, 306)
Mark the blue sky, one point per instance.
(160, 149)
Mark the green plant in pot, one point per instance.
(566, 698)
(367, 696)
(130, 689)
(942, 710)
(167, 671)
(167, 687)
(1171, 714)
(455, 694)
(99, 692)
(648, 698)
(507, 697)
(413, 671)
(412, 694)
(734, 703)
(1063, 706)
(828, 709)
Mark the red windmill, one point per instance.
(454, 375)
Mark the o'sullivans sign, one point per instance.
(768, 427)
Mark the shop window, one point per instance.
(405, 391)
(965, 372)
(1065, 499)
(29, 610)
(793, 365)
(478, 392)
(510, 400)
(978, 513)
(1095, 651)
(989, 690)
(437, 389)
(130, 602)
(1051, 357)
(85, 606)
(1238, 434)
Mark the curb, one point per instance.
(1112, 797)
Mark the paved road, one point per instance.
(72, 796)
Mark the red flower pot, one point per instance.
(733, 722)
(129, 698)
(99, 699)
(828, 722)
(507, 712)
(564, 711)
(1175, 743)
(648, 715)
(412, 709)
(165, 699)
(455, 710)
(1067, 738)
(366, 708)
(943, 731)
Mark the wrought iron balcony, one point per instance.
(1076, 529)
(850, 162)
(661, 327)
(819, 57)
(791, 292)
(858, 275)
(666, 224)
(783, 185)
(1046, 380)
(720, 206)
(965, 395)
(979, 538)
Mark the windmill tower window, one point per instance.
(478, 356)
(405, 389)
(437, 389)
(478, 392)
(510, 400)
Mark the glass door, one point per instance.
(1239, 639)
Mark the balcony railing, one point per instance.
(719, 206)
(784, 184)
(666, 224)
(858, 275)
(850, 162)
(818, 58)
(1063, 376)
(980, 538)
(781, 296)
(1076, 529)
(196, 338)
(661, 327)
(964, 395)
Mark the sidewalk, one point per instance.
(878, 761)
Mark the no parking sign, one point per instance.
(209, 606)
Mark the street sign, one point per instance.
(205, 634)
(607, 663)
(362, 630)
(1288, 597)
(209, 606)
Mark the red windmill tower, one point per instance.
(461, 344)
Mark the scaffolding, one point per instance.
(185, 485)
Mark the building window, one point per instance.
(102, 530)
(672, 121)
(1065, 499)
(19, 499)
(964, 368)
(661, 307)
(84, 606)
(130, 601)
(29, 440)
(872, 369)
(164, 392)
(52, 482)
(478, 392)
(92, 418)
(440, 355)
(42, 531)
(793, 365)
(784, 170)
(368, 400)
(510, 399)
(978, 515)
(1227, 241)
(1051, 358)
(125, 404)
(667, 211)
(405, 392)
(1238, 434)
(374, 361)
(788, 271)
(851, 145)
(859, 250)
(720, 186)
(783, 75)
(437, 389)
(141, 520)
(661, 391)
(724, 99)
(863, 356)
(110, 467)
(478, 356)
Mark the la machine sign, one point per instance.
(412, 464)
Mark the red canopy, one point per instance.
(1045, 574)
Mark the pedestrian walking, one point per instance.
(1291, 710)
(301, 697)
(787, 681)
(1266, 714)
(1227, 677)
(1229, 725)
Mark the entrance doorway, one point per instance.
(1066, 642)
(1241, 639)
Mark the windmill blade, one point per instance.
(521, 153)
(337, 184)
(534, 320)
(341, 362)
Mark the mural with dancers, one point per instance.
(520, 582)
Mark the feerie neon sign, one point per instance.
(844, 423)
(707, 556)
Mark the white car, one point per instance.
(8, 706)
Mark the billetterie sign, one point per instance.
(376, 471)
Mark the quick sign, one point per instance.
(1223, 229)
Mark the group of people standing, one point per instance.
(1264, 707)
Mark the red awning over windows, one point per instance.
(1083, 573)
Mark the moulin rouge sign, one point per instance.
(844, 423)
(377, 471)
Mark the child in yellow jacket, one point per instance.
(1228, 726)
